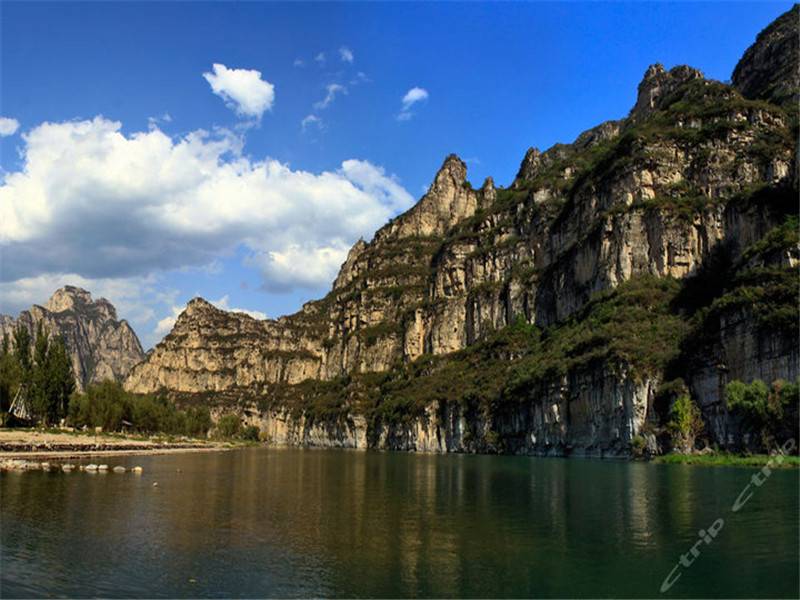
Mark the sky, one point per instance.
(154, 152)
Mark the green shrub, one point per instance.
(638, 446)
(492, 438)
(771, 414)
(685, 423)
(251, 433)
(229, 426)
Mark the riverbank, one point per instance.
(730, 460)
(35, 444)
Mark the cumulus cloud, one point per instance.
(346, 54)
(320, 58)
(299, 62)
(8, 126)
(332, 90)
(243, 90)
(93, 201)
(299, 265)
(412, 97)
(374, 181)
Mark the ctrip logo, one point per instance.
(707, 536)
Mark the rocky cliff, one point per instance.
(544, 316)
(100, 345)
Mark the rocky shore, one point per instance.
(28, 445)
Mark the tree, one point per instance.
(50, 377)
(229, 426)
(38, 393)
(60, 379)
(769, 414)
(685, 423)
(10, 375)
(22, 348)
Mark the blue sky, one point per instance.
(101, 184)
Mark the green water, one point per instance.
(288, 523)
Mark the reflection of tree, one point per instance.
(313, 522)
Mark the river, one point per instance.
(293, 522)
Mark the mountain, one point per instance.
(558, 315)
(100, 345)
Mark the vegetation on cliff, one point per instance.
(601, 301)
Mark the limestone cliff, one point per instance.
(769, 69)
(410, 349)
(100, 345)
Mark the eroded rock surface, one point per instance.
(698, 166)
(101, 346)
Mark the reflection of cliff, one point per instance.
(291, 522)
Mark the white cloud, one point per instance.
(153, 122)
(165, 325)
(299, 62)
(310, 120)
(8, 126)
(333, 90)
(224, 304)
(346, 54)
(92, 201)
(243, 90)
(374, 181)
(412, 97)
(359, 78)
(320, 58)
(300, 265)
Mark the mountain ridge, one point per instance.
(100, 345)
(696, 168)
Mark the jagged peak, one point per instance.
(658, 82)
(346, 272)
(453, 170)
(529, 166)
(199, 305)
(67, 298)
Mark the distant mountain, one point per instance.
(652, 259)
(100, 345)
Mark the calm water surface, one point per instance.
(287, 523)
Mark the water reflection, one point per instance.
(339, 523)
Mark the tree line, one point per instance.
(37, 372)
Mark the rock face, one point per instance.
(769, 68)
(100, 345)
(696, 171)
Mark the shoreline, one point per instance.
(27, 444)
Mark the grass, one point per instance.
(727, 459)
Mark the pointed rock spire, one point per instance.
(656, 84)
(452, 172)
(529, 166)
